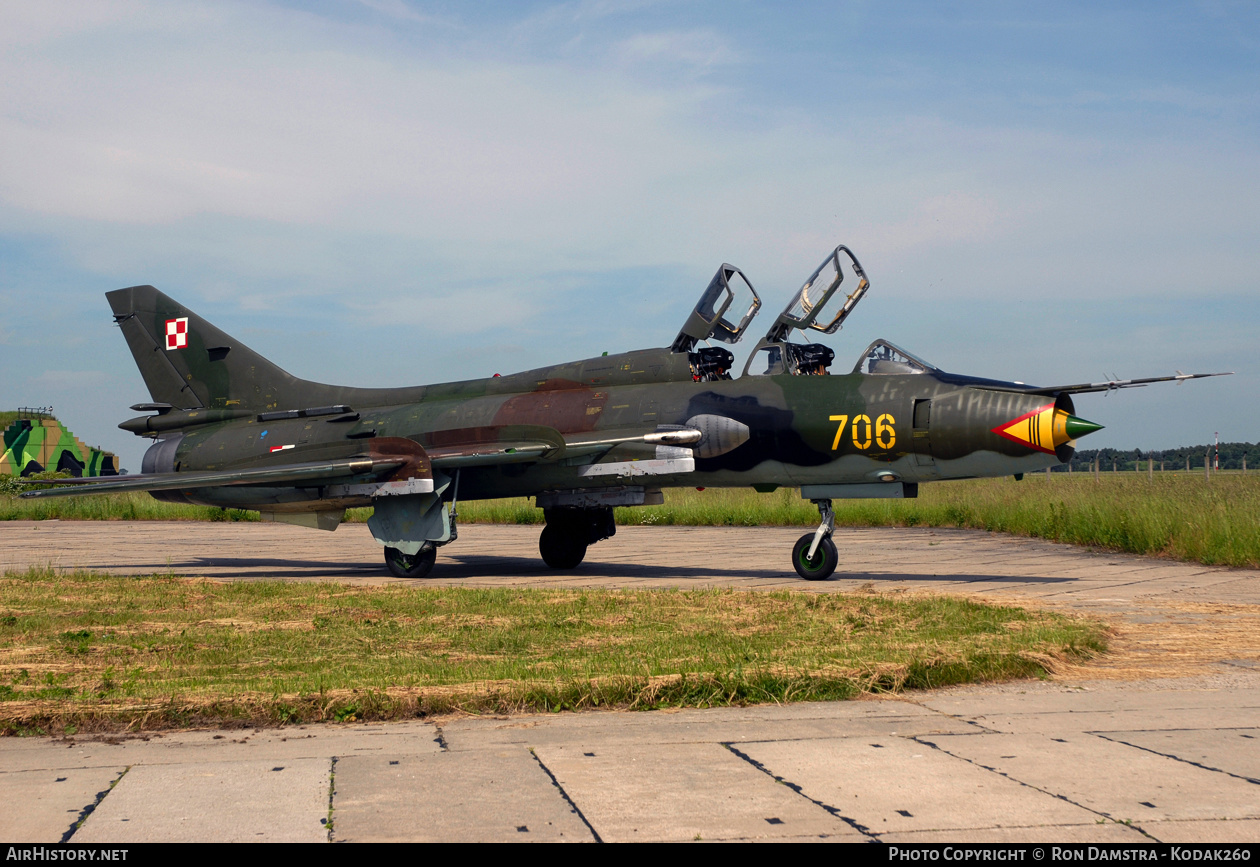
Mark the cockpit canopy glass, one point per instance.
(882, 358)
(724, 310)
(734, 316)
(812, 307)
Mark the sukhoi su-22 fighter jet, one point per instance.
(231, 429)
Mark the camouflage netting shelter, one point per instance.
(34, 441)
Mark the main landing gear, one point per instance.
(439, 530)
(411, 565)
(814, 555)
(570, 531)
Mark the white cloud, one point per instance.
(397, 9)
(36, 24)
(322, 133)
(695, 48)
(137, 126)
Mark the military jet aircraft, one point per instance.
(231, 429)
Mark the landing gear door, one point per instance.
(819, 304)
(723, 312)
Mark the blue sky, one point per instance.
(389, 192)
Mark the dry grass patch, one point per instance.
(1179, 639)
(86, 650)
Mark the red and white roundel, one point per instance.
(177, 333)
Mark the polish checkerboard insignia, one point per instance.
(177, 333)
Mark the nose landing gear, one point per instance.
(814, 556)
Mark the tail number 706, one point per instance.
(862, 431)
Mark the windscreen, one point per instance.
(882, 358)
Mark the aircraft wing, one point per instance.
(1110, 385)
(275, 475)
(447, 450)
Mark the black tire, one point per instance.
(562, 546)
(410, 565)
(826, 558)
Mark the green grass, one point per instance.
(8, 417)
(1175, 515)
(114, 507)
(1178, 515)
(95, 651)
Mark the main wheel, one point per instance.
(824, 562)
(410, 565)
(561, 546)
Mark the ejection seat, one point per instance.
(728, 291)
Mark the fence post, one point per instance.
(1207, 468)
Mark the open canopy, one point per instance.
(724, 310)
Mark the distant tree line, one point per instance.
(1232, 455)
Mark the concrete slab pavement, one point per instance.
(894, 785)
(805, 771)
(1232, 751)
(680, 792)
(1140, 785)
(229, 802)
(44, 805)
(489, 795)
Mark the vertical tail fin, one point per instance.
(188, 363)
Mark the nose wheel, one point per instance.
(821, 564)
(814, 556)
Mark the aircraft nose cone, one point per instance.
(1078, 427)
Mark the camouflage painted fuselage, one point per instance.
(849, 429)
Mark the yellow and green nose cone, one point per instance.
(1078, 427)
(1046, 428)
